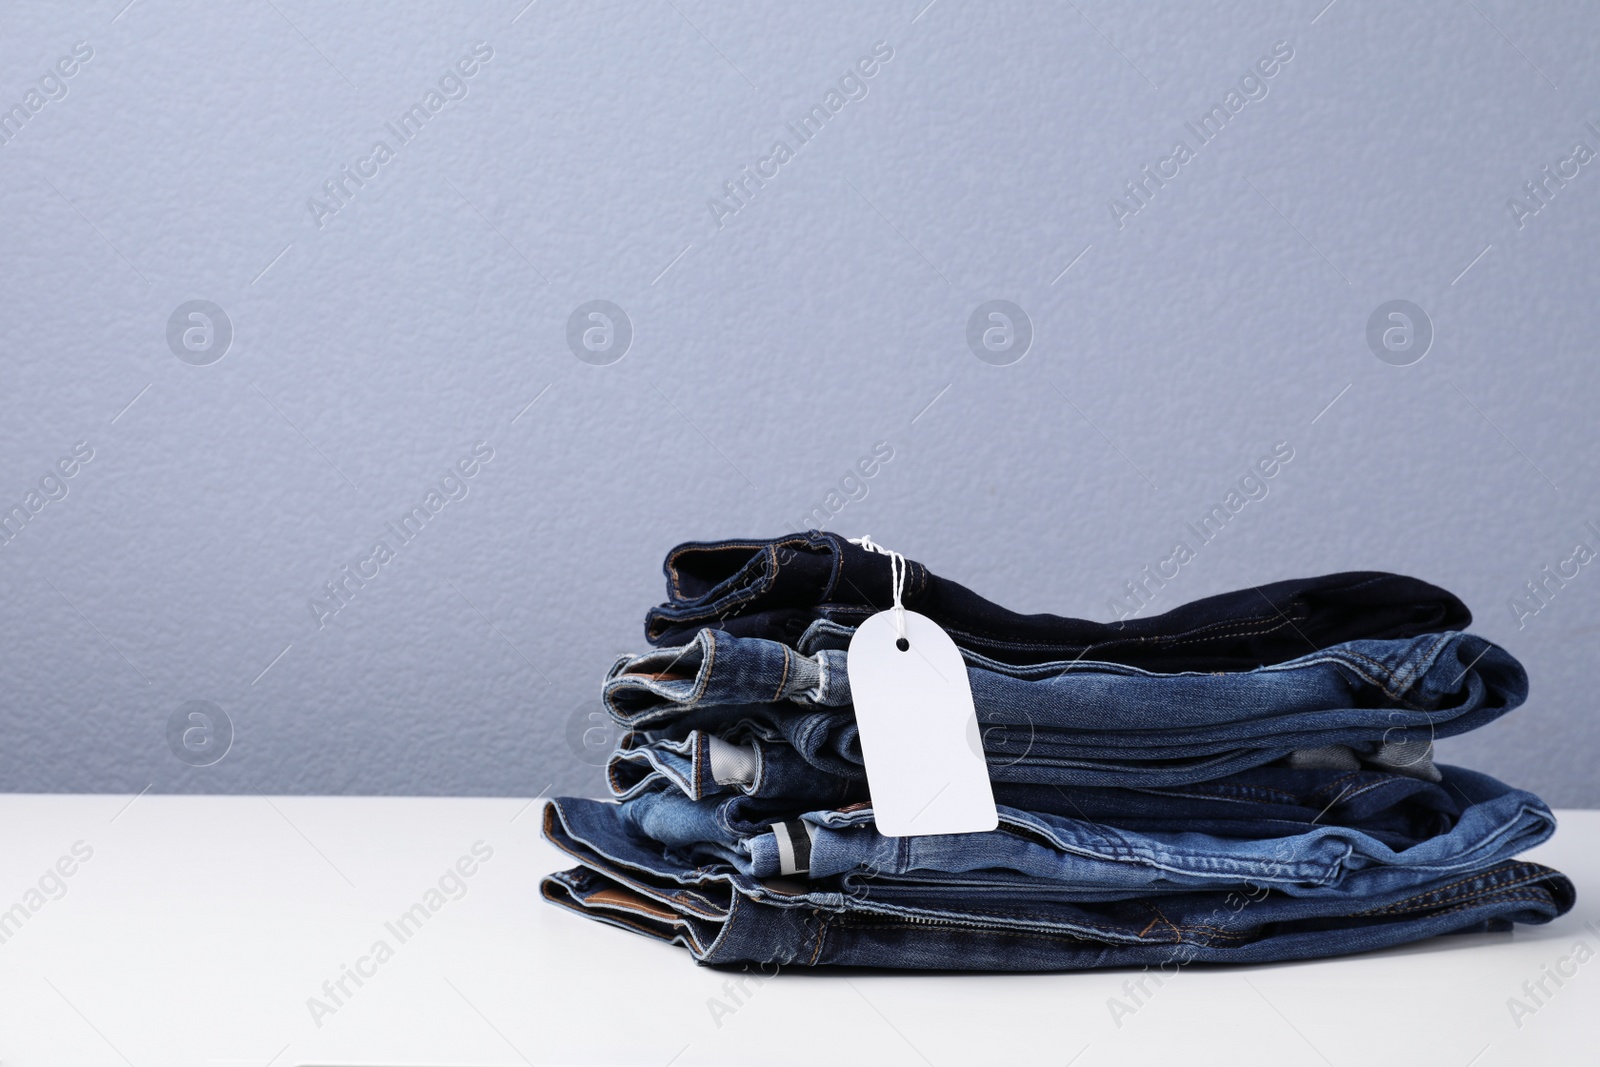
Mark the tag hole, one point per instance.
(902, 644)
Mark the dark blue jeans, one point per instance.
(775, 588)
(724, 916)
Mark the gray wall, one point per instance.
(380, 337)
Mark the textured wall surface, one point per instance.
(257, 340)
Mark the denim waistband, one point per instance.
(774, 587)
(723, 916)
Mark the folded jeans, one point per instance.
(774, 588)
(1033, 854)
(725, 917)
(1088, 722)
(1399, 809)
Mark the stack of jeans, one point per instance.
(1245, 778)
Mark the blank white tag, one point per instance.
(919, 731)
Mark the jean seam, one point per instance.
(758, 780)
(1532, 876)
(1112, 930)
(1188, 637)
(1423, 663)
(1395, 687)
(672, 557)
(783, 677)
(624, 919)
(1378, 675)
(1008, 932)
(838, 565)
(703, 682)
(822, 934)
(1335, 784)
(1160, 917)
(1495, 896)
(697, 767)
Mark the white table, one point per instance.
(199, 927)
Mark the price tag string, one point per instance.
(897, 574)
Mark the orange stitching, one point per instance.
(822, 931)
(1160, 914)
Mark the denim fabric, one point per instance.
(1088, 722)
(1037, 854)
(1264, 802)
(775, 588)
(724, 916)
